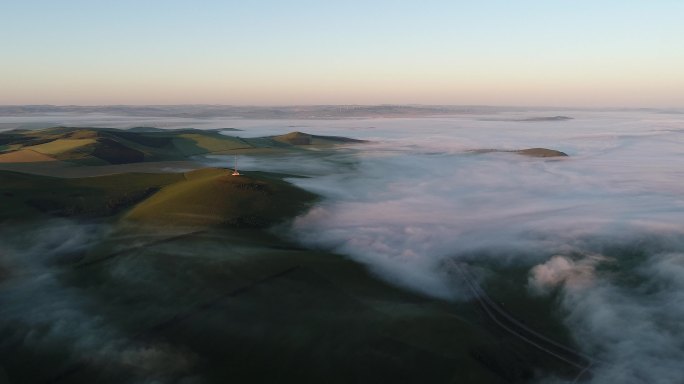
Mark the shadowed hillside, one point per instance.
(300, 138)
(102, 146)
(206, 197)
(531, 152)
(24, 197)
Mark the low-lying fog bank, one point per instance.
(600, 229)
(600, 232)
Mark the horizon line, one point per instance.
(518, 106)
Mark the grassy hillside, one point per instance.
(24, 197)
(301, 138)
(193, 143)
(530, 152)
(24, 156)
(202, 198)
(542, 152)
(232, 297)
(211, 197)
(238, 300)
(58, 146)
(101, 146)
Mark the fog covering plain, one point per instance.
(601, 231)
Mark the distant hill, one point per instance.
(101, 146)
(531, 152)
(531, 119)
(547, 118)
(300, 138)
(256, 112)
(541, 152)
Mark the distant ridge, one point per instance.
(541, 118)
(547, 118)
(531, 152)
(300, 138)
(300, 112)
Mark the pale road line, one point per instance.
(490, 307)
(485, 306)
(579, 375)
(512, 319)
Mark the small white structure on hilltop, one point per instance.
(235, 172)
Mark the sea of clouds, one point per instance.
(417, 196)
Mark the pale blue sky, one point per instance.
(583, 53)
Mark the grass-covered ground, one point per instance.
(18, 155)
(102, 146)
(203, 198)
(242, 305)
(212, 197)
(186, 281)
(30, 197)
(61, 145)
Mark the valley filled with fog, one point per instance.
(598, 234)
(601, 230)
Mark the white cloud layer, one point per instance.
(417, 197)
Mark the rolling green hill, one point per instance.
(202, 198)
(210, 197)
(24, 197)
(301, 138)
(187, 264)
(101, 146)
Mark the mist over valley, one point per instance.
(530, 268)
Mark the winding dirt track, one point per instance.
(510, 324)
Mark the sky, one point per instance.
(600, 53)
